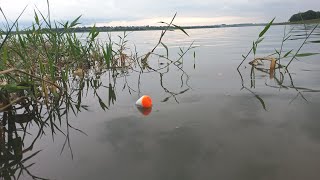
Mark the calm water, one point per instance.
(214, 129)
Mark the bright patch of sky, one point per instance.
(149, 12)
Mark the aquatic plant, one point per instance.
(47, 69)
(279, 61)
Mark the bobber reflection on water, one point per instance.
(144, 105)
(144, 111)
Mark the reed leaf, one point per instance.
(259, 40)
(315, 41)
(289, 52)
(306, 54)
(10, 29)
(75, 22)
(14, 87)
(181, 29)
(36, 18)
(266, 28)
(167, 50)
(286, 38)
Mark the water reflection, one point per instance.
(144, 111)
(280, 80)
(26, 119)
(276, 65)
(175, 153)
(15, 154)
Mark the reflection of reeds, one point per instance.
(276, 66)
(13, 150)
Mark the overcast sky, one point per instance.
(149, 12)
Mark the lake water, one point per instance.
(203, 124)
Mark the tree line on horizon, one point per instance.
(308, 15)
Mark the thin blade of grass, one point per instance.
(181, 29)
(9, 31)
(259, 40)
(287, 53)
(4, 17)
(75, 22)
(266, 28)
(166, 47)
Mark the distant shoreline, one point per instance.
(312, 21)
(151, 28)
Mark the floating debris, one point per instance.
(258, 63)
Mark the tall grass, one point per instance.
(46, 70)
(39, 61)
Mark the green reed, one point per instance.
(280, 60)
(46, 70)
(39, 59)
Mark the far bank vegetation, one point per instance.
(308, 15)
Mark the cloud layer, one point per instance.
(141, 12)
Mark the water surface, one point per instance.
(213, 130)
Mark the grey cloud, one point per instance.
(140, 9)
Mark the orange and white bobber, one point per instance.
(144, 102)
